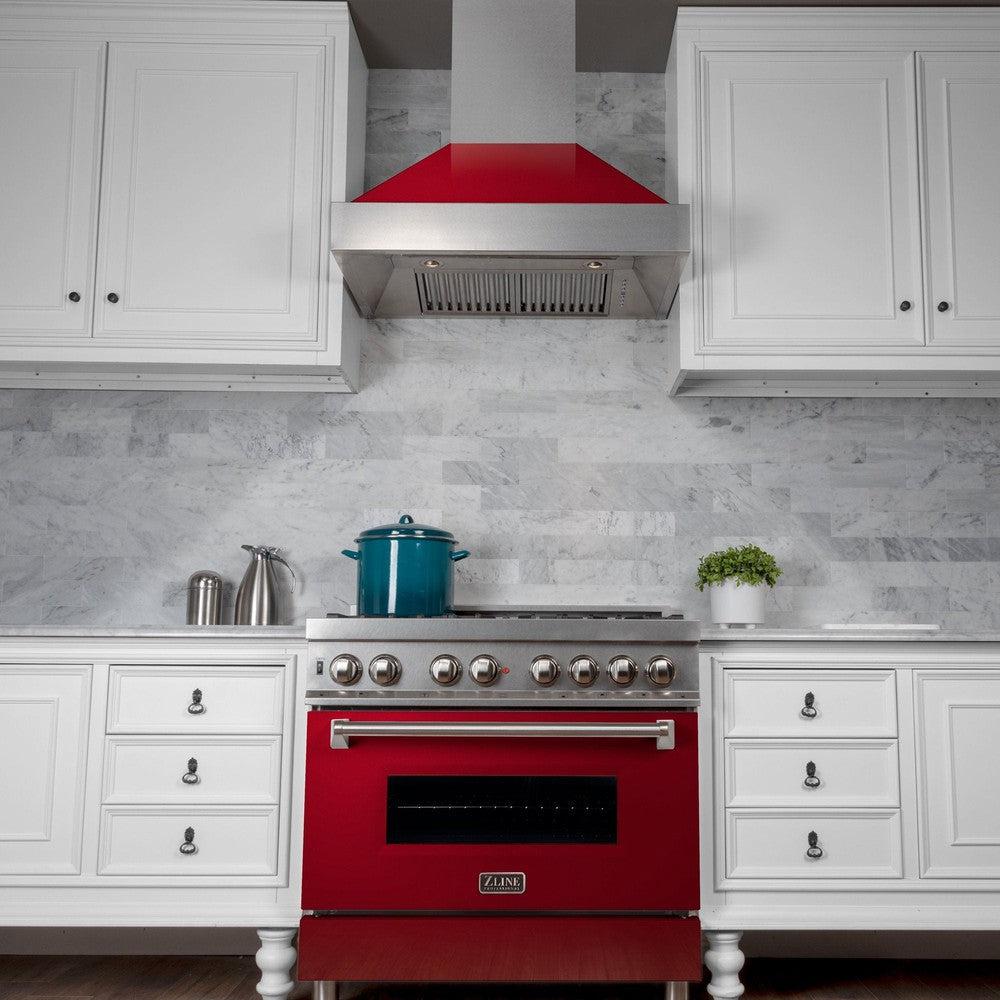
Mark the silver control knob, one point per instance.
(661, 670)
(384, 670)
(345, 669)
(484, 670)
(622, 670)
(545, 670)
(445, 670)
(584, 670)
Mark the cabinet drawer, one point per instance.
(812, 773)
(773, 844)
(169, 769)
(238, 840)
(196, 699)
(809, 703)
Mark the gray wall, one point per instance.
(550, 448)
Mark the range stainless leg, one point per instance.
(326, 989)
(676, 991)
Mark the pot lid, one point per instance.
(406, 528)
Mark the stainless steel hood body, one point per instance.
(492, 225)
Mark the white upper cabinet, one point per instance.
(812, 233)
(217, 135)
(840, 165)
(961, 103)
(44, 713)
(50, 103)
(210, 212)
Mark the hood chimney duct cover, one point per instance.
(513, 66)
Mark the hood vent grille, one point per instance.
(513, 293)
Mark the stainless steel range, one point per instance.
(519, 783)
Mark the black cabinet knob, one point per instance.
(112, 297)
(811, 780)
(905, 305)
(74, 296)
(191, 776)
(196, 707)
(943, 307)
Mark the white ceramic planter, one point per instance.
(737, 603)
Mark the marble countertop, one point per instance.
(710, 633)
(813, 633)
(156, 632)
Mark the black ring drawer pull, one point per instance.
(808, 712)
(814, 853)
(189, 846)
(811, 780)
(196, 707)
(191, 776)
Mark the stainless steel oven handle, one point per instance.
(341, 730)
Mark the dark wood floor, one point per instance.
(215, 978)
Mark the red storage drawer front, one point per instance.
(507, 949)
(652, 866)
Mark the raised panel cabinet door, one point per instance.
(50, 110)
(960, 93)
(44, 712)
(210, 203)
(958, 719)
(811, 216)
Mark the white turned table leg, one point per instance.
(724, 960)
(275, 959)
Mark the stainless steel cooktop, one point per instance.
(505, 657)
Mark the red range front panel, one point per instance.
(500, 949)
(648, 862)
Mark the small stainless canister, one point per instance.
(204, 598)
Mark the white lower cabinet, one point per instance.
(44, 734)
(958, 736)
(154, 781)
(873, 803)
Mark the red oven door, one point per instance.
(577, 819)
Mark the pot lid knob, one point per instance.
(406, 519)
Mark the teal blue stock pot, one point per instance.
(405, 570)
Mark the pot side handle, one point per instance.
(459, 554)
(350, 553)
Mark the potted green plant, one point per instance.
(735, 578)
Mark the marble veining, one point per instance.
(550, 448)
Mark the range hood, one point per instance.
(512, 218)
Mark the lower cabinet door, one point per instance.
(44, 712)
(236, 840)
(958, 718)
(813, 844)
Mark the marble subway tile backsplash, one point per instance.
(550, 448)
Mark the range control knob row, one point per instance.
(661, 670)
(345, 669)
(484, 669)
(584, 670)
(622, 670)
(384, 670)
(445, 670)
(544, 670)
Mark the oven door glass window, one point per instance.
(501, 810)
